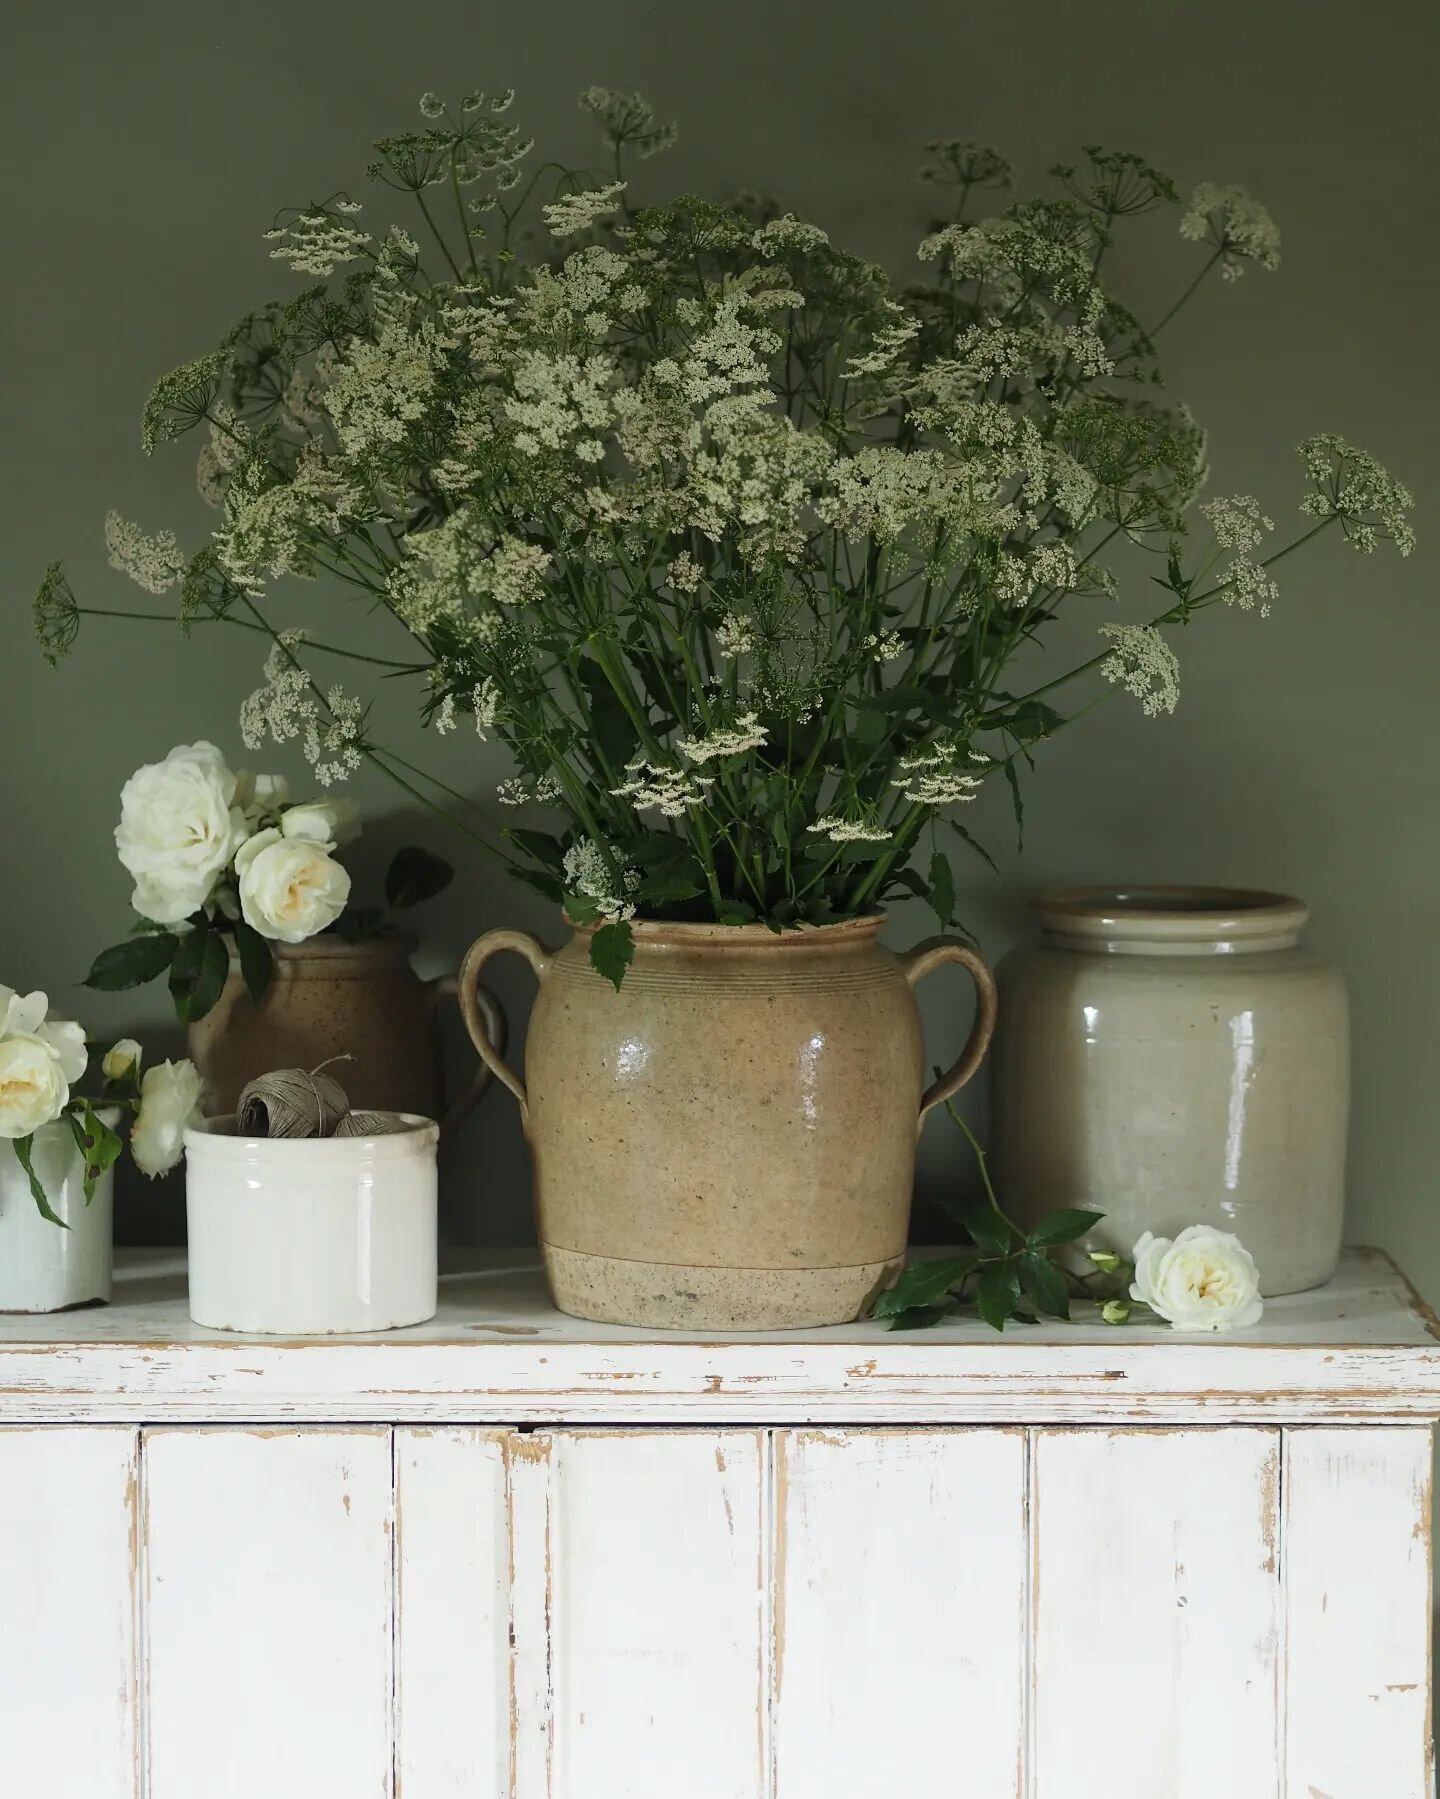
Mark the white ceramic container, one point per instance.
(42, 1267)
(1175, 1056)
(311, 1236)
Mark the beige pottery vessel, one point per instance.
(728, 1141)
(329, 998)
(1173, 1056)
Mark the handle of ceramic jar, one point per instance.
(934, 953)
(476, 1021)
(454, 1112)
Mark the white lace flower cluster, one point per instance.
(1143, 664)
(1352, 486)
(155, 563)
(930, 776)
(577, 212)
(1235, 222)
(596, 876)
(317, 242)
(743, 734)
(839, 829)
(1239, 524)
(656, 787)
(288, 705)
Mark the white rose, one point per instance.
(169, 1101)
(179, 827)
(290, 888)
(39, 1058)
(121, 1060)
(1203, 1280)
(330, 822)
(256, 795)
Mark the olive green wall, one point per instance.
(149, 144)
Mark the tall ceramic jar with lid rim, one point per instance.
(1172, 1056)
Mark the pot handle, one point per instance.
(917, 963)
(455, 1111)
(489, 1043)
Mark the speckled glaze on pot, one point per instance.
(327, 998)
(1173, 1056)
(728, 1141)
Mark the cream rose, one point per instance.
(121, 1060)
(169, 1101)
(39, 1059)
(290, 888)
(1202, 1280)
(179, 827)
(330, 822)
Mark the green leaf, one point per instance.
(132, 963)
(356, 924)
(612, 950)
(993, 1233)
(998, 1293)
(581, 909)
(22, 1146)
(923, 1284)
(942, 888)
(734, 912)
(1063, 1227)
(974, 843)
(546, 850)
(921, 1318)
(1044, 1285)
(610, 724)
(415, 875)
(257, 960)
(677, 884)
(99, 1146)
(198, 973)
(1013, 782)
(550, 885)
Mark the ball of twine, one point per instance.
(292, 1102)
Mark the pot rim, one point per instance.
(1176, 912)
(213, 1140)
(722, 936)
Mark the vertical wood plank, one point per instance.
(452, 1704)
(268, 1613)
(900, 1611)
(1357, 1605)
(1156, 1600)
(68, 1571)
(658, 1563)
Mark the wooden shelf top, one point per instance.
(1365, 1347)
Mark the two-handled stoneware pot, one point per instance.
(728, 1141)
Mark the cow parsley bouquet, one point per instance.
(736, 544)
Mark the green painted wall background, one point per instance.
(149, 145)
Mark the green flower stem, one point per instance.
(1155, 330)
(982, 1162)
(241, 624)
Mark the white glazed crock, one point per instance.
(44, 1268)
(311, 1236)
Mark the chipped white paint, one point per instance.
(900, 1611)
(452, 1615)
(268, 1613)
(1155, 1596)
(1357, 1602)
(498, 1352)
(781, 1568)
(68, 1548)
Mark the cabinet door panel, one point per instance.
(655, 1578)
(268, 1613)
(453, 1686)
(900, 1573)
(1156, 1595)
(68, 1554)
(1357, 1602)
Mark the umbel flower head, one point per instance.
(739, 545)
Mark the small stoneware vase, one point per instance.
(728, 1141)
(329, 998)
(311, 1236)
(1172, 1056)
(44, 1267)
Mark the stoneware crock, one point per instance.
(327, 998)
(1173, 1056)
(44, 1268)
(312, 1236)
(728, 1141)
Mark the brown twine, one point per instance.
(293, 1102)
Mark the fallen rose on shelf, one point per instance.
(1202, 1280)
(42, 1060)
(217, 857)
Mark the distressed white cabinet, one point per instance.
(510, 1556)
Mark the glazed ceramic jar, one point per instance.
(728, 1141)
(1174, 1056)
(312, 1236)
(47, 1267)
(326, 998)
